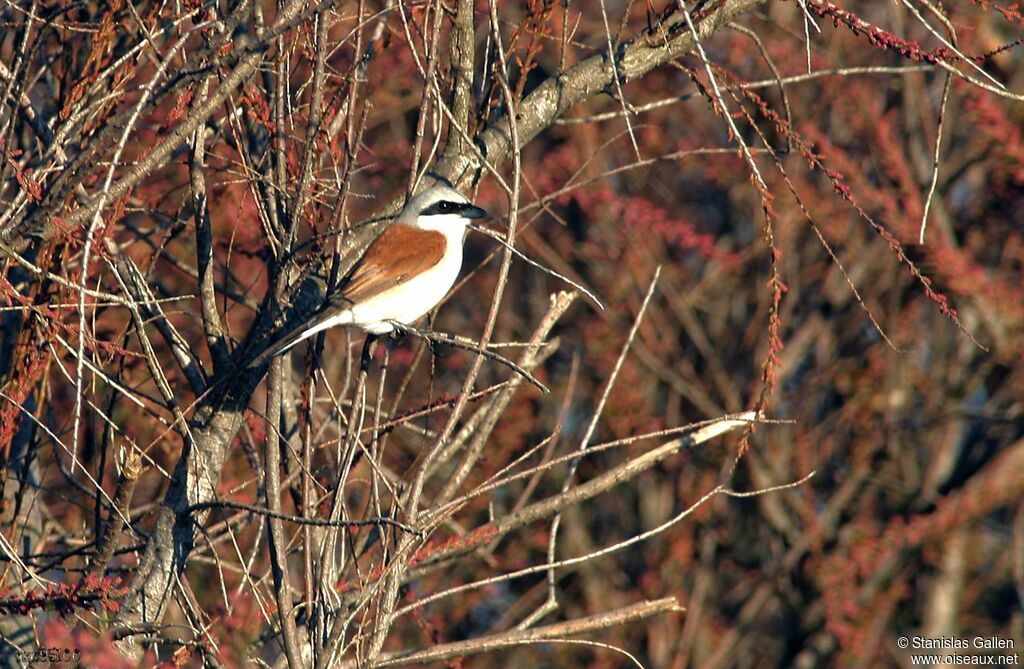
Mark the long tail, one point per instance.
(318, 323)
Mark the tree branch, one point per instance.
(485, 644)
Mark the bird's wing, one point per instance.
(400, 253)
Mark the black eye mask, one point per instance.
(464, 209)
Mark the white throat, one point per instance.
(447, 224)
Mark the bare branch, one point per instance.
(545, 633)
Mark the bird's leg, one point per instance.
(368, 347)
(400, 330)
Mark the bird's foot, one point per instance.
(398, 332)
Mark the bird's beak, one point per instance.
(473, 211)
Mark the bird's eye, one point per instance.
(443, 207)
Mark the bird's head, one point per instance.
(441, 208)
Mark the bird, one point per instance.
(404, 273)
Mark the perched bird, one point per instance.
(404, 273)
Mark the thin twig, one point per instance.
(301, 520)
(547, 633)
(935, 157)
(547, 270)
(469, 345)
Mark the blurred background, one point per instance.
(891, 361)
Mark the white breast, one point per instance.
(411, 300)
